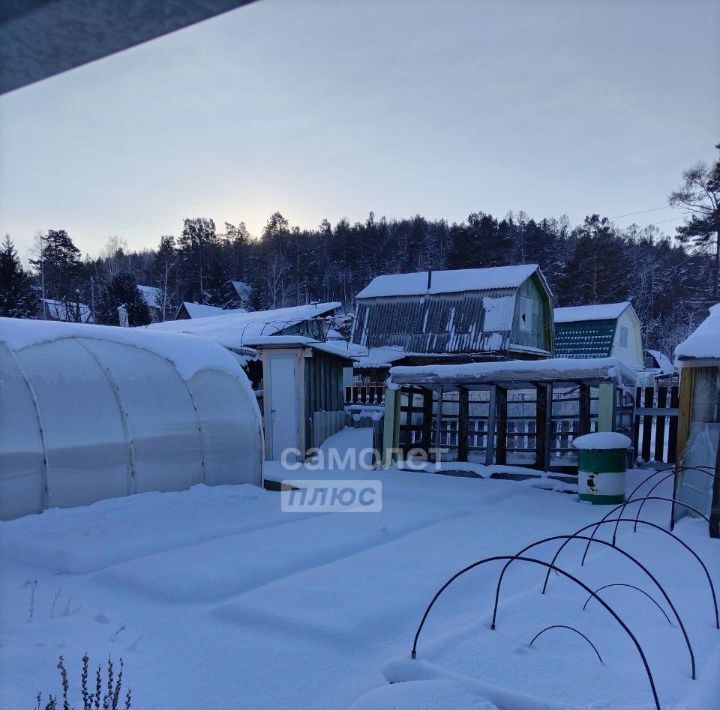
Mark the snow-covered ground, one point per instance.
(217, 599)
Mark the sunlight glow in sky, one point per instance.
(332, 109)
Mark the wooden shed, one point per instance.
(303, 393)
(698, 474)
(464, 315)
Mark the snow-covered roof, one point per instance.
(189, 354)
(242, 289)
(705, 341)
(235, 329)
(601, 311)
(455, 281)
(152, 295)
(663, 361)
(341, 349)
(200, 310)
(518, 372)
(57, 310)
(379, 357)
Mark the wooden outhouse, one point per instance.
(303, 393)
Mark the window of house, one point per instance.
(623, 336)
(526, 314)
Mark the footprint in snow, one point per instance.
(102, 619)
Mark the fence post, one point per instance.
(543, 426)
(660, 425)
(584, 409)
(426, 435)
(463, 414)
(438, 425)
(649, 396)
(391, 426)
(606, 406)
(674, 438)
(501, 404)
(490, 446)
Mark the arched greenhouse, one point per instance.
(90, 412)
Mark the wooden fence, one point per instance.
(365, 394)
(654, 429)
(656, 422)
(518, 440)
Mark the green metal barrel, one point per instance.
(601, 467)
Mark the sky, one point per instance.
(331, 108)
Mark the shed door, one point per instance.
(283, 404)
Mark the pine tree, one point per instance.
(60, 270)
(596, 272)
(122, 290)
(700, 196)
(198, 245)
(17, 298)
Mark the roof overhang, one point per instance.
(42, 38)
(517, 374)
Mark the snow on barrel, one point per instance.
(90, 412)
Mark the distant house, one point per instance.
(153, 297)
(605, 330)
(454, 316)
(298, 377)
(189, 310)
(659, 364)
(69, 312)
(234, 329)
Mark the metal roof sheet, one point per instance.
(585, 339)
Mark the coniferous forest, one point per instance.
(670, 278)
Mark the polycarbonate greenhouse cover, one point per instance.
(90, 412)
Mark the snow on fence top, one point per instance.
(188, 354)
(233, 328)
(416, 284)
(602, 311)
(519, 372)
(705, 341)
(602, 440)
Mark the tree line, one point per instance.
(669, 281)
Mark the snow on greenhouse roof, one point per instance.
(189, 354)
(233, 328)
(415, 284)
(518, 372)
(705, 341)
(601, 311)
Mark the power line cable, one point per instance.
(632, 214)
